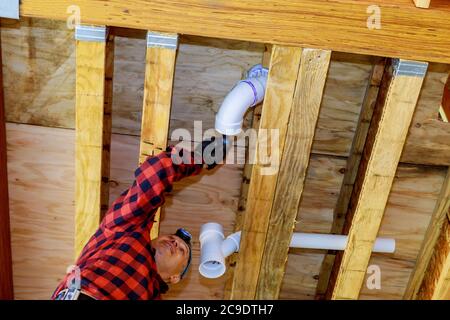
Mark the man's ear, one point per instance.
(174, 279)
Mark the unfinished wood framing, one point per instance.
(431, 276)
(351, 172)
(445, 107)
(283, 72)
(94, 61)
(158, 86)
(307, 23)
(422, 3)
(294, 63)
(386, 137)
(6, 276)
(294, 164)
(334, 169)
(436, 226)
(436, 280)
(246, 176)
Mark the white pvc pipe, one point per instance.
(214, 248)
(245, 94)
(231, 244)
(335, 242)
(212, 260)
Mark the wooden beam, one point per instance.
(6, 276)
(93, 129)
(246, 176)
(322, 24)
(445, 107)
(430, 241)
(436, 281)
(386, 137)
(292, 173)
(283, 72)
(158, 86)
(351, 171)
(422, 3)
(432, 269)
(428, 142)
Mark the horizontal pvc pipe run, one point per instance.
(215, 248)
(335, 242)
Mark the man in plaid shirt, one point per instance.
(120, 261)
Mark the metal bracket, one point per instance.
(409, 68)
(9, 9)
(91, 33)
(161, 40)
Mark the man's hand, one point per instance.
(213, 152)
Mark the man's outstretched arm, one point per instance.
(154, 176)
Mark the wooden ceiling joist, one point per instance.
(294, 93)
(396, 102)
(421, 35)
(292, 173)
(6, 276)
(283, 72)
(93, 95)
(436, 280)
(351, 172)
(445, 107)
(158, 86)
(431, 276)
(246, 176)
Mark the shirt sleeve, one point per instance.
(153, 178)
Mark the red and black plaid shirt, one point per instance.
(118, 261)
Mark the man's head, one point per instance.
(172, 255)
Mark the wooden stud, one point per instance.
(436, 280)
(292, 173)
(93, 129)
(6, 276)
(351, 171)
(159, 77)
(422, 3)
(432, 268)
(283, 71)
(386, 137)
(246, 176)
(445, 107)
(404, 31)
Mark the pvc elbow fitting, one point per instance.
(245, 94)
